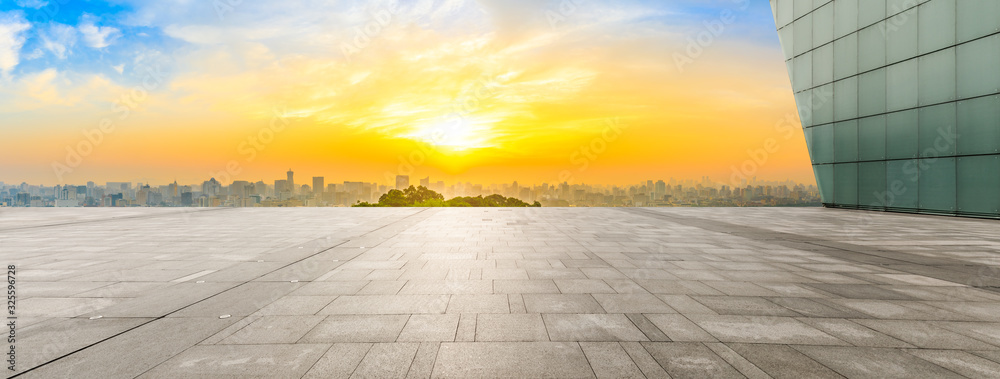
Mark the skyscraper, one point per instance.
(402, 182)
(318, 185)
(290, 183)
(899, 101)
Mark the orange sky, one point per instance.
(596, 98)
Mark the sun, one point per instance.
(457, 133)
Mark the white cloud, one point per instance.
(12, 25)
(31, 3)
(58, 39)
(120, 68)
(97, 36)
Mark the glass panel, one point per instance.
(803, 34)
(785, 15)
(824, 180)
(937, 25)
(871, 93)
(803, 102)
(979, 67)
(845, 20)
(901, 135)
(979, 126)
(870, 12)
(894, 7)
(902, 178)
(979, 184)
(823, 25)
(808, 132)
(823, 104)
(845, 99)
(802, 79)
(901, 34)
(822, 59)
(937, 184)
(937, 131)
(802, 7)
(822, 143)
(785, 36)
(845, 54)
(845, 141)
(871, 138)
(871, 47)
(937, 77)
(901, 86)
(871, 184)
(979, 18)
(845, 183)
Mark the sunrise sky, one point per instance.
(471, 90)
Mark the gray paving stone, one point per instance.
(356, 328)
(511, 359)
(609, 360)
(853, 333)
(755, 329)
(591, 327)
(510, 328)
(524, 286)
(387, 304)
(874, 363)
(274, 361)
(748, 306)
(780, 361)
(925, 335)
(295, 305)
(387, 360)
(679, 329)
(421, 328)
(960, 362)
(583, 286)
(273, 330)
(479, 304)
(632, 303)
(690, 360)
(573, 303)
(340, 361)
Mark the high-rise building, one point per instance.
(899, 101)
(318, 185)
(426, 182)
(403, 182)
(290, 183)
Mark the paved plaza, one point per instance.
(491, 292)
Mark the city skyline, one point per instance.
(292, 192)
(460, 90)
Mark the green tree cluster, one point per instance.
(423, 197)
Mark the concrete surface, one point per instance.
(312, 292)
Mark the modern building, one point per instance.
(318, 185)
(402, 182)
(290, 181)
(899, 101)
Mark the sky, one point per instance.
(488, 91)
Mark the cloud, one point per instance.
(12, 27)
(58, 39)
(36, 4)
(95, 36)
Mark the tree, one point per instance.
(394, 198)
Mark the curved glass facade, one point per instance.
(899, 101)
